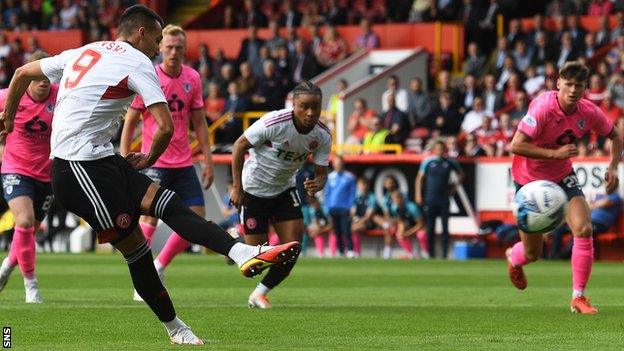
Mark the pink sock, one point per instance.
(518, 258)
(319, 244)
(421, 235)
(148, 231)
(24, 245)
(174, 245)
(405, 244)
(582, 261)
(13, 253)
(333, 244)
(357, 243)
(273, 239)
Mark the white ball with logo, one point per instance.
(540, 207)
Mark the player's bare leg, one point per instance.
(23, 248)
(578, 219)
(168, 206)
(287, 231)
(527, 250)
(138, 255)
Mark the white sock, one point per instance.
(240, 253)
(577, 293)
(158, 265)
(261, 289)
(30, 281)
(387, 252)
(173, 325)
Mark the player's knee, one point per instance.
(583, 231)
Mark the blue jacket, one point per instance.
(340, 191)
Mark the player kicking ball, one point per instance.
(97, 83)
(26, 178)
(542, 148)
(264, 187)
(174, 169)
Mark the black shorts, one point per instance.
(569, 184)
(15, 185)
(258, 211)
(183, 181)
(107, 193)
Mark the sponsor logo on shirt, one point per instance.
(529, 120)
(581, 124)
(291, 155)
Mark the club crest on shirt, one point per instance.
(313, 144)
(581, 124)
(187, 87)
(529, 120)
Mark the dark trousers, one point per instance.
(341, 220)
(557, 240)
(432, 211)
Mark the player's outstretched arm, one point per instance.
(18, 85)
(161, 139)
(130, 121)
(616, 154)
(521, 145)
(201, 131)
(238, 158)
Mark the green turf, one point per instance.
(325, 305)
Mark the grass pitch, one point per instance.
(325, 305)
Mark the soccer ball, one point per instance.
(540, 207)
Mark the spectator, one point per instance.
(597, 91)
(234, 104)
(6, 72)
(271, 89)
(68, 13)
(468, 92)
(55, 25)
(302, 63)
(509, 68)
(320, 225)
(605, 211)
(376, 136)
(247, 81)
(522, 57)
(419, 105)
(30, 16)
(452, 146)
(504, 135)
(401, 95)
(619, 26)
(577, 33)
(339, 199)
(225, 77)
(542, 52)
(488, 25)
(512, 88)
(396, 122)
(315, 39)
(474, 62)
(421, 11)
(520, 108)
(291, 39)
(228, 211)
(474, 119)
(227, 21)
(336, 15)
(251, 17)
(359, 120)
(334, 100)
(33, 46)
(332, 49)
(250, 48)
(603, 35)
(204, 57)
(486, 137)
(445, 118)
(538, 27)
(497, 56)
(559, 8)
(472, 148)
(214, 103)
(9, 10)
(275, 40)
(282, 63)
(16, 55)
(389, 186)
(613, 112)
(515, 33)
(312, 16)
(533, 82)
(434, 186)
(363, 213)
(470, 16)
(492, 97)
(368, 39)
(407, 220)
(589, 46)
(290, 16)
(5, 48)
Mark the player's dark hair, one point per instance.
(137, 16)
(574, 70)
(307, 87)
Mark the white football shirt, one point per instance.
(97, 84)
(278, 152)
